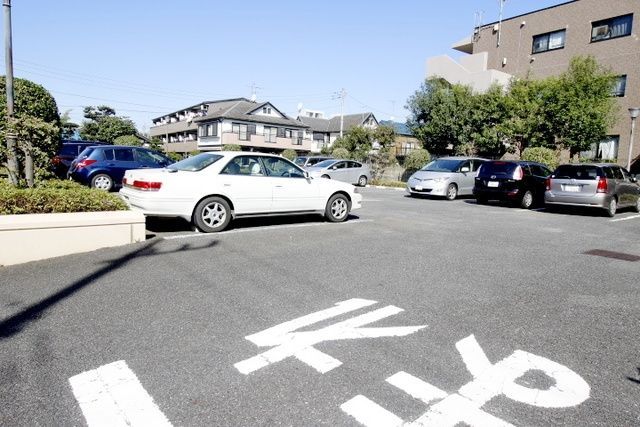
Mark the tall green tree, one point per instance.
(580, 106)
(358, 141)
(102, 124)
(36, 123)
(441, 115)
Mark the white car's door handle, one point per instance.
(227, 185)
(278, 186)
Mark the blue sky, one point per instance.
(146, 58)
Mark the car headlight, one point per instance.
(439, 179)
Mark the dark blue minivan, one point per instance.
(103, 167)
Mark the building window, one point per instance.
(241, 130)
(548, 41)
(266, 110)
(270, 134)
(619, 86)
(606, 149)
(210, 129)
(611, 28)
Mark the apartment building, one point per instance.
(541, 44)
(210, 125)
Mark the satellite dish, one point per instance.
(253, 98)
(299, 107)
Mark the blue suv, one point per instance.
(103, 167)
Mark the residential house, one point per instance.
(210, 125)
(405, 141)
(541, 44)
(324, 132)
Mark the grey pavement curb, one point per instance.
(389, 188)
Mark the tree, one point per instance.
(341, 153)
(384, 154)
(103, 125)
(580, 108)
(127, 140)
(441, 115)
(358, 141)
(68, 127)
(417, 159)
(289, 154)
(36, 123)
(231, 147)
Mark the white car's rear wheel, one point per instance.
(338, 208)
(212, 214)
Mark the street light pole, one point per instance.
(633, 112)
(12, 155)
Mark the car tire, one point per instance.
(102, 181)
(611, 208)
(362, 181)
(325, 176)
(637, 206)
(338, 208)
(526, 202)
(212, 214)
(452, 192)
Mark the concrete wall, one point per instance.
(26, 238)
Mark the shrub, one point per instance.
(341, 153)
(417, 159)
(289, 154)
(176, 157)
(231, 147)
(543, 155)
(127, 140)
(56, 196)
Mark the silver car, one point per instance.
(601, 185)
(447, 176)
(342, 170)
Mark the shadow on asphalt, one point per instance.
(171, 225)
(15, 323)
(635, 380)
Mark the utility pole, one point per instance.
(500, 21)
(12, 154)
(342, 95)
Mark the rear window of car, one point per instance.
(584, 172)
(313, 162)
(497, 168)
(195, 163)
(300, 161)
(70, 150)
(87, 152)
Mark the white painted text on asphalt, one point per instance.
(288, 343)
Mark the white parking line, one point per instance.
(111, 395)
(263, 228)
(625, 218)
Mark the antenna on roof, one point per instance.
(477, 23)
(254, 90)
(299, 107)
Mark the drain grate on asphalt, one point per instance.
(611, 254)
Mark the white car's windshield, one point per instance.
(195, 163)
(442, 166)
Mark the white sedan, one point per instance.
(212, 188)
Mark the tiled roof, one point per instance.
(333, 124)
(239, 109)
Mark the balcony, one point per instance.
(169, 128)
(259, 141)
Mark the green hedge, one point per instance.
(56, 196)
(388, 183)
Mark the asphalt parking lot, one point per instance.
(413, 310)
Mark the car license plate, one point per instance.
(419, 187)
(572, 188)
(493, 184)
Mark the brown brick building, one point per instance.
(541, 44)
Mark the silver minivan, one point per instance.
(601, 185)
(447, 176)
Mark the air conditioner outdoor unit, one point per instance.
(496, 27)
(600, 31)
